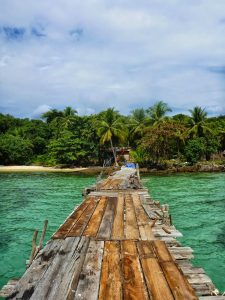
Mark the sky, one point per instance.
(126, 54)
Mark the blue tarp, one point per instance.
(130, 165)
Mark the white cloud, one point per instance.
(112, 53)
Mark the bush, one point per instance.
(194, 150)
(15, 150)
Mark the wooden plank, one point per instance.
(81, 223)
(45, 288)
(131, 227)
(118, 224)
(145, 249)
(94, 223)
(111, 280)
(89, 279)
(181, 252)
(66, 279)
(107, 220)
(143, 219)
(35, 272)
(179, 285)
(162, 251)
(105, 183)
(133, 281)
(153, 211)
(155, 280)
(159, 232)
(8, 288)
(115, 185)
(72, 219)
(198, 278)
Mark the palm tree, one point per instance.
(138, 122)
(158, 111)
(198, 125)
(51, 114)
(110, 126)
(69, 112)
(68, 116)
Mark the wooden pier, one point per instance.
(118, 244)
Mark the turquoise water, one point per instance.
(26, 200)
(197, 205)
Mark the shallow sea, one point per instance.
(197, 205)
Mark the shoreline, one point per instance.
(7, 169)
(107, 170)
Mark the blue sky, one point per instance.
(94, 54)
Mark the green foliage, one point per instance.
(158, 111)
(163, 140)
(64, 138)
(111, 127)
(71, 150)
(194, 150)
(198, 125)
(139, 156)
(137, 124)
(15, 150)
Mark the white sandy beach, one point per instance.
(37, 169)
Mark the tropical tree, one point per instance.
(198, 124)
(138, 123)
(158, 111)
(69, 112)
(15, 150)
(163, 140)
(194, 150)
(69, 117)
(109, 127)
(51, 114)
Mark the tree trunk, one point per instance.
(114, 154)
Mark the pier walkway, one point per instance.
(118, 244)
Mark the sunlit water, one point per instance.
(197, 205)
(26, 200)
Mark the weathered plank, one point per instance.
(179, 285)
(181, 252)
(131, 227)
(66, 279)
(94, 222)
(159, 232)
(133, 281)
(47, 284)
(111, 277)
(35, 272)
(155, 280)
(105, 228)
(72, 219)
(198, 278)
(162, 251)
(118, 224)
(81, 223)
(88, 283)
(145, 249)
(143, 219)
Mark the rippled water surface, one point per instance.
(26, 200)
(197, 205)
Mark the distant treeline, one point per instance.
(67, 139)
